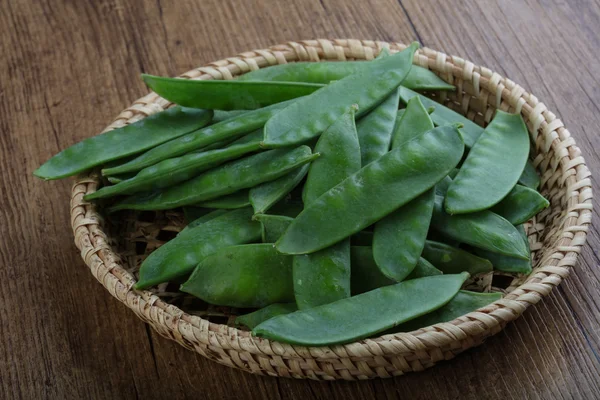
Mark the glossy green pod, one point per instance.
(273, 226)
(178, 257)
(508, 264)
(192, 213)
(222, 115)
(251, 275)
(252, 319)
(483, 229)
(226, 94)
(493, 166)
(231, 201)
(422, 269)
(452, 260)
(226, 179)
(311, 115)
(441, 188)
(520, 205)
(125, 141)
(198, 218)
(365, 275)
(375, 191)
(530, 177)
(366, 314)
(415, 120)
(266, 195)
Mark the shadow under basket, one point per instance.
(115, 248)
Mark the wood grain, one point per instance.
(68, 67)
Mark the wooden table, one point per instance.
(68, 67)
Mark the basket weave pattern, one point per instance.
(556, 235)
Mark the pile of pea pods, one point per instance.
(332, 201)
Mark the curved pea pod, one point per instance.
(398, 238)
(122, 142)
(366, 314)
(463, 303)
(266, 195)
(311, 115)
(530, 177)
(451, 260)
(195, 218)
(483, 229)
(365, 276)
(422, 269)
(251, 275)
(374, 191)
(273, 226)
(505, 263)
(226, 179)
(442, 115)
(231, 128)
(493, 166)
(178, 257)
(120, 178)
(415, 121)
(226, 94)
(441, 188)
(520, 205)
(222, 115)
(172, 171)
(252, 319)
(228, 202)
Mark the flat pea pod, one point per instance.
(195, 218)
(178, 257)
(309, 116)
(120, 178)
(463, 303)
(226, 179)
(222, 115)
(251, 275)
(399, 237)
(441, 188)
(505, 263)
(374, 191)
(226, 94)
(483, 229)
(273, 226)
(520, 205)
(266, 195)
(172, 171)
(530, 177)
(422, 269)
(452, 260)
(442, 115)
(365, 276)
(414, 121)
(232, 201)
(229, 129)
(192, 213)
(492, 167)
(252, 319)
(366, 314)
(122, 142)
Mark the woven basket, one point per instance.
(114, 250)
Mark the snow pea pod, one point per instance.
(451, 260)
(228, 129)
(442, 115)
(120, 178)
(521, 204)
(196, 218)
(422, 269)
(273, 226)
(266, 195)
(493, 166)
(311, 115)
(226, 179)
(221, 115)
(192, 213)
(415, 120)
(505, 263)
(530, 177)
(252, 319)
(178, 257)
(125, 141)
(374, 191)
(232, 201)
(226, 94)
(251, 275)
(346, 320)
(483, 229)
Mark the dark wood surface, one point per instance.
(68, 67)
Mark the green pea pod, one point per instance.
(226, 179)
(505, 263)
(365, 276)
(451, 260)
(442, 115)
(266, 195)
(252, 319)
(422, 269)
(172, 171)
(120, 178)
(251, 275)
(493, 166)
(375, 191)
(414, 121)
(228, 202)
(483, 229)
(364, 315)
(192, 213)
(311, 115)
(226, 95)
(441, 188)
(122, 142)
(252, 137)
(229, 129)
(398, 238)
(221, 115)
(530, 177)
(288, 207)
(463, 303)
(200, 219)
(273, 226)
(520, 205)
(178, 257)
